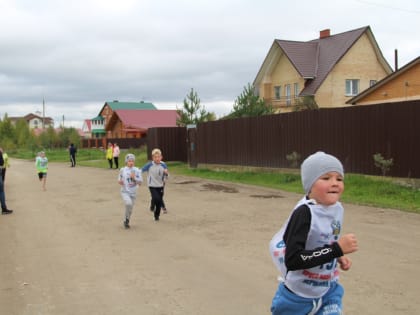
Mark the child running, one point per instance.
(41, 163)
(129, 178)
(308, 247)
(157, 175)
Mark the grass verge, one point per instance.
(383, 192)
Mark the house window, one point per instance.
(296, 88)
(287, 93)
(352, 87)
(372, 82)
(277, 92)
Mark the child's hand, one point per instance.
(120, 182)
(344, 262)
(348, 243)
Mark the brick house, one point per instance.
(330, 69)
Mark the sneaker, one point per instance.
(6, 211)
(126, 224)
(156, 219)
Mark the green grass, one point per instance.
(85, 157)
(373, 191)
(359, 189)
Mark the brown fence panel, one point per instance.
(353, 134)
(172, 141)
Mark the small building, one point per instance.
(87, 129)
(99, 123)
(125, 123)
(35, 121)
(401, 85)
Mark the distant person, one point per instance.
(72, 152)
(129, 178)
(116, 154)
(157, 175)
(4, 209)
(109, 155)
(6, 164)
(308, 248)
(41, 163)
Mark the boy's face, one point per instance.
(327, 189)
(130, 163)
(157, 158)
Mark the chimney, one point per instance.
(396, 59)
(324, 33)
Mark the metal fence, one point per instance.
(353, 134)
(172, 141)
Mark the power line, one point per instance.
(388, 6)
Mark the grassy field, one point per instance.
(384, 192)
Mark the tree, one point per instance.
(306, 103)
(23, 134)
(249, 104)
(193, 112)
(7, 130)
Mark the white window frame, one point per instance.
(277, 92)
(287, 93)
(352, 87)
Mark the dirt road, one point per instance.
(65, 251)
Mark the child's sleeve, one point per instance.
(139, 178)
(297, 256)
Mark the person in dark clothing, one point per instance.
(4, 209)
(72, 152)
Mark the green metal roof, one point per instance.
(98, 131)
(130, 105)
(99, 117)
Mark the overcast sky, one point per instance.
(78, 54)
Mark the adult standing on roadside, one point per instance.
(109, 154)
(72, 152)
(116, 154)
(6, 164)
(4, 209)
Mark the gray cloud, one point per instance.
(79, 54)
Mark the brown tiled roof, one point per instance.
(315, 59)
(30, 116)
(302, 55)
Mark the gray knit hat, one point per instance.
(130, 156)
(317, 165)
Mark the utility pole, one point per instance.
(43, 113)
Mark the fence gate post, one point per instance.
(191, 145)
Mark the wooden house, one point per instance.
(401, 85)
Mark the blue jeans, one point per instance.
(286, 302)
(2, 196)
